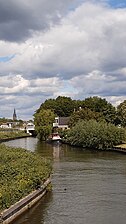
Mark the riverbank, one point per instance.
(21, 173)
(12, 213)
(94, 180)
(14, 138)
(119, 148)
(11, 135)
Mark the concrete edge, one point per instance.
(8, 215)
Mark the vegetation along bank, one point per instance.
(93, 122)
(21, 172)
(95, 135)
(13, 134)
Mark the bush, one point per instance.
(97, 135)
(12, 134)
(21, 172)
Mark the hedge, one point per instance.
(95, 135)
(21, 172)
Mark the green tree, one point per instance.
(98, 104)
(64, 106)
(121, 113)
(84, 114)
(43, 121)
(48, 104)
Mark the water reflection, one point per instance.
(58, 152)
(28, 143)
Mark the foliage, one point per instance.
(93, 108)
(43, 121)
(84, 114)
(100, 105)
(97, 135)
(21, 172)
(10, 133)
(62, 106)
(4, 120)
(121, 112)
(65, 106)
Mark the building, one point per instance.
(61, 122)
(14, 115)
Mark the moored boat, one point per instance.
(54, 137)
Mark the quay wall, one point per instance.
(14, 138)
(10, 214)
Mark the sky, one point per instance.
(74, 48)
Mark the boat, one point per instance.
(54, 137)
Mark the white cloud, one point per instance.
(85, 50)
(13, 84)
(90, 38)
(27, 95)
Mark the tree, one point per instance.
(43, 121)
(62, 106)
(121, 113)
(84, 114)
(48, 104)
(98, 104)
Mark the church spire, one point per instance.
(14, 115)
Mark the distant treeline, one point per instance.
(89, 108)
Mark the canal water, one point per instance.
(88, 187)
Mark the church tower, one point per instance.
(14, 115)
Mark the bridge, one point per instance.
(30, 129)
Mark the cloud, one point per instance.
(74, 48)
(20, 19)
(87, 39)
(26, 94)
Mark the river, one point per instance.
(88, 187)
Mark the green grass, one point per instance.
(21, 172)
(12, 134)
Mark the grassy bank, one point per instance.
(12, 134)
(21, 172)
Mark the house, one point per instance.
(61, 122)
(5, 125)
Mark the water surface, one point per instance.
(88, 187)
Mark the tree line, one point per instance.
(93, 110)
(89, 108)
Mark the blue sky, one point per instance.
(117, 3)
(6, 58)
(75, 48)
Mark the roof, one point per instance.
(64, 120)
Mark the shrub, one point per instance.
(97, 135)
(12, 134)
(21, 172)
